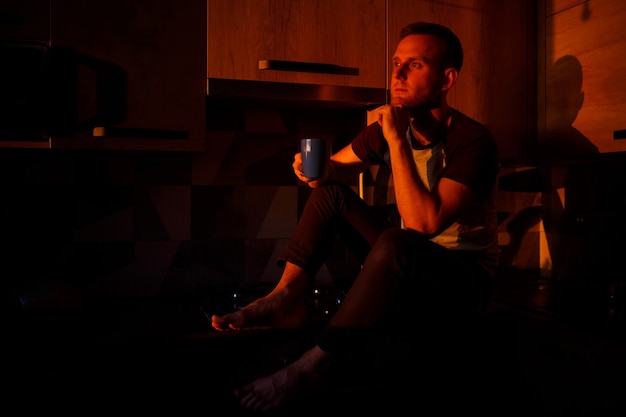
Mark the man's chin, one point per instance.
(397, 101)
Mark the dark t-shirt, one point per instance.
(470, 152)
(468, 155)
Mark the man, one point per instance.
(444, 167)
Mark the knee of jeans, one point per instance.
(389, 243)
(327, 189)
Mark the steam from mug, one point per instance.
(315, 157)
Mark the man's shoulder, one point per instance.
(465, 124)
(465, 130)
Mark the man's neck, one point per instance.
(431, 127)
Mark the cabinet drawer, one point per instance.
(324, 42)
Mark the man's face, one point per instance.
(417, 75)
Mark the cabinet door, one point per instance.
(324, 42)
(140, 72)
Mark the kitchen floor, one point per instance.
(541, 348)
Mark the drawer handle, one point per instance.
(139, 132)
(277, 65)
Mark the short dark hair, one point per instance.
(453, 55)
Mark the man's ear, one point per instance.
(450, 76)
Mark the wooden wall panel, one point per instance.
(556, 6)
(592, 34)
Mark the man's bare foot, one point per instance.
(284, 307)
(271, 311)
(303, 377)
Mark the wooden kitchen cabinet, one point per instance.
(322, 42)
(24, 36)
(25, 20)
(140, 70)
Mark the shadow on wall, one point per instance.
(559, 173)
(564, 98)
(582, 202)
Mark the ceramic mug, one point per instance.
(315, 157)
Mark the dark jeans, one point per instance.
(400, 267)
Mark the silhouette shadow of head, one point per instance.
(565, 98)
